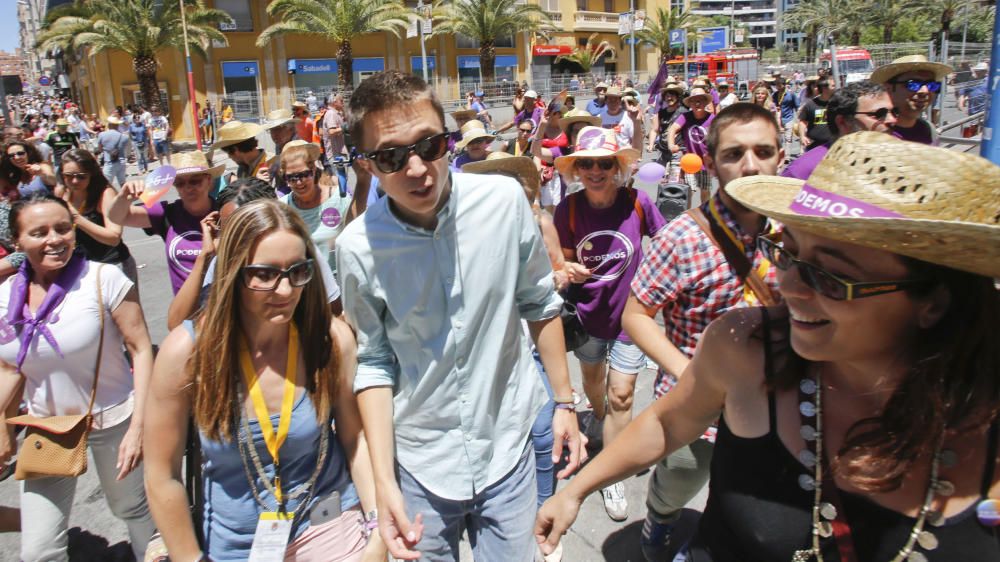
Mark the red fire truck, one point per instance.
(853, 63)
(738, 66)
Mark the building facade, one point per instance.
(254, 81)
(39, 69)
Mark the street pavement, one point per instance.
(96, 535)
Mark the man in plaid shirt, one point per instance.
(687, 276)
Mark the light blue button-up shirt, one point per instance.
(437, 315)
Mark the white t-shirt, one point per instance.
(624, 131)
(57, 385)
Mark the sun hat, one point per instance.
(597, 142)
(463, 114)
(62, 122)
(279, 117)
(112, 120)
(909, 63)
(194, 162)
(812, 78)
(871, 189)
(674, 88)
(614, 91)
(235, 132)
(578, 116)
(601, 85)
(312, 149)
(981, 66)
(478, 93)
(531, 94)
(697, 93)
(471, 131)
(521, 167)
(631, 92)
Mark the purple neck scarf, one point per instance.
(19, 314)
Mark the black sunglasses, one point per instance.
(299, 176)
(914, 85)
(823, 282)
(268, 277)
(602, 163)
(880, 114)
(17, 154)
(391, 160)
(77, 176)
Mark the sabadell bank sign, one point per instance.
(324, 67)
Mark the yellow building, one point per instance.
(257, 80)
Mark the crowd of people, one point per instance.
(357, 370)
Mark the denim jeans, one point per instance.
(499, 519)
(141, 149)
(46, 502)
(115, 171)
(542, 440)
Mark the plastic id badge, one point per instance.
(271, 538)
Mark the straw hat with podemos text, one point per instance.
(910, 63)
(194, 162)
(521, 168)
(597, 142)
(471, 131)
(925, 202)
(235, 132)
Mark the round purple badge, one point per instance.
(988, 512)
(330, 217)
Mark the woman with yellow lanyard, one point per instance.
(264, 372)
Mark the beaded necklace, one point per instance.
(827, 519)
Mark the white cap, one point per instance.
(531, 94)
(981, 66)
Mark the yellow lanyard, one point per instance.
(748, 295)
(271, 440)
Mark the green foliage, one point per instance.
(657, 30)
(588, 55)
(131, 26)
(485, 20)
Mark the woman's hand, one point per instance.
(130, 450)
(375, 551)
(561, 279)
(576, 272)
(209, 232)
(34, 169)
(131, 190)
(554, 518)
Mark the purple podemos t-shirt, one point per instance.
(694, 132)
(921, 132)
(608, 242)
(182, 234)
(804, 165)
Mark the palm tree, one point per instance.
(139, 28)
(485, 20)
(588, 55)
(887, 13)
(657, 30)
(838, 19)
(339, 21)
(945, 12)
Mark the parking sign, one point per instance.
(677, 37)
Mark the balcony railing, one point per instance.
(595, 21)
(556, 16)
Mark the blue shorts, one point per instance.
(624, 357)
(162, 147)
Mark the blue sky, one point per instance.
(8, 25)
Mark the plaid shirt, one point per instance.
(684, 273)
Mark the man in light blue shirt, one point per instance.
(436, 277)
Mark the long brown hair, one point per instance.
(953, 383)
(215, 362)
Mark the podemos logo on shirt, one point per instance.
(606, 253)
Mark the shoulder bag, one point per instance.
(56, 446)
(735, 257)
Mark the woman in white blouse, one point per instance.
(49, 337)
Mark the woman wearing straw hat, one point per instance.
(859, 421)
(177, 222)
(474, 145)
(693, 127)
(600, 231)
(314, 195)
(239, 141)
(461, 117)
(669, 110)
(554, 189)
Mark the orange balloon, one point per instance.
(691, 163)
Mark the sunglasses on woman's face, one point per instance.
(268, 277)
(298, 177)
(392, 160)
(824, 282)
(79, 176)
(602, 163)
(18, 154)
(914, 85)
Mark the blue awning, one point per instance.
(369, 64)
(416, 63)
(239, 69)
(472, 61)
